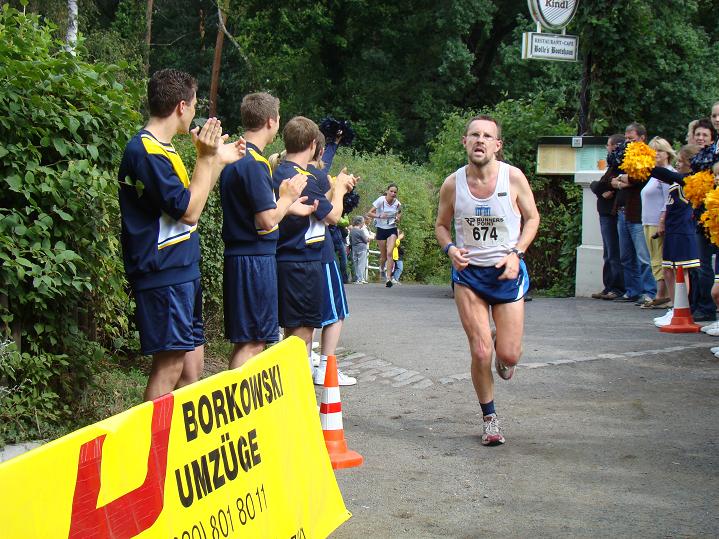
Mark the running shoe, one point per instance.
(713, 325)
(389, 284)
(714, 349)
(661, 321)
(342, 379)
(491, 432)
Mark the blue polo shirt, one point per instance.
(245, 190)
(328, 248)
(157, 248)
(301, 238)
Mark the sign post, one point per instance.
(553, 15)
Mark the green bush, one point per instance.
(417, 193)
(63, 124)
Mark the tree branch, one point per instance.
(221, 22)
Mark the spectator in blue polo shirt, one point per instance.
(250, 231)
(299, 247)
(334, 299)
(160, 207)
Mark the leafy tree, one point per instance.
(63, 123)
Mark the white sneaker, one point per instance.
(716, 354)
(713, 332)
(665, 320)
(713, 325)
(342, 379)
(491, 431)
(714, 349)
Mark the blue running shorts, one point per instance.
(485, 283)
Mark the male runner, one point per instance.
(250, 231)
(496, 219)
(160, 207)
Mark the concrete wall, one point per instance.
(589, 252)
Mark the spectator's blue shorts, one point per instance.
(334, 301)
(170, 317)
(250, 299)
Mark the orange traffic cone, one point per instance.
(682, 321)
(331, 419)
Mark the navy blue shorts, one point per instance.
(299, 294)
(680, 250)
(170, 318)
(334, 301)
(250, 299)
(385, 233)
(485, 283)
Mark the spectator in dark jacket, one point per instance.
(612, 276)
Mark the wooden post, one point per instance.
(148, 35)
(219, 42)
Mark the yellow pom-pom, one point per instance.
(697, 186)
(710, 218)
(639, 160)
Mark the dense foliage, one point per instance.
(63, 123)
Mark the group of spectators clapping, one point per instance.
(649, 229)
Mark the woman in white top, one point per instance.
(386, 211)
(654, 199)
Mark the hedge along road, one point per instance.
(610, 425)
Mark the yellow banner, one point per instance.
(239, 454)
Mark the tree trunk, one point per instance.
(215, 80)
(71, 36)
(148, 35)
(584, 96)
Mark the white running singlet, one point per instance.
(386, 212)
(487, 227)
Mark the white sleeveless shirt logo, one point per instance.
(487, 227)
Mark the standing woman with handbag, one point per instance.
(386, 211)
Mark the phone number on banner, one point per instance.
(227, 520)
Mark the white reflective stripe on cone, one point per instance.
(331, 421)
(331, 395)
(681, 301)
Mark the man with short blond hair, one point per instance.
(250, 231)
(495, 218)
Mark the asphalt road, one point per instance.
(611, 426)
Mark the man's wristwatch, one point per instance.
(448, 247)
(520, 254)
